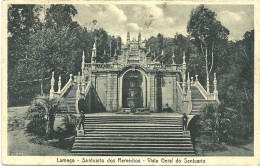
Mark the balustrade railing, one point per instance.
(205, 94)
(164, 66)
(102, 65)
(147, 65)
(66, 87)
(201, 89)
(85, 92)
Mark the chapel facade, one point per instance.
(133, 79)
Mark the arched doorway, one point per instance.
(132, 91)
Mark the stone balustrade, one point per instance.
(151, 66)
(61, 91)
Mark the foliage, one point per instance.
(214, 122)
(60, 16)
(36, 48)
(236, 87)
(40, 114)
(23, 20)
(208, 33)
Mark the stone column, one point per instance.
(109, 97)
(152, 91)
(114, 95)
(52, 86)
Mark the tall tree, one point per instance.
(23, 20)
(58, 16)
(207, 32)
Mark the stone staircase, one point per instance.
(122, 135)
(198, 101)
(70, 98)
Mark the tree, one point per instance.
(59, 16)
(41, 114)
(207, 32)
(23, 20)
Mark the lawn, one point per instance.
(241, 150)
(21, 143)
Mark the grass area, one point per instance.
(21, 143)
(239, 150)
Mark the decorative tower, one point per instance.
(93, 56)
(208, 84)
(184, 72)
(188, 87)
(83, 82)
(59, 85)
(215, 87)
(78, 86)
(52, 86)
(83, 63)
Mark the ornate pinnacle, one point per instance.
(59, 84)
(184, 57)
(83, 56)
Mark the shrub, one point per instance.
(41, 114)
(214, 122)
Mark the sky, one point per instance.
(169, 19)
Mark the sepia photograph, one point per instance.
(129, 79)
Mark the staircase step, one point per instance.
(161, 135)
(135, 138)
(131, 154)
(133, 135)
(132, 130)
(134, 151)
(133, 125)
(104, 141)
(127, 148)
(76, 144)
